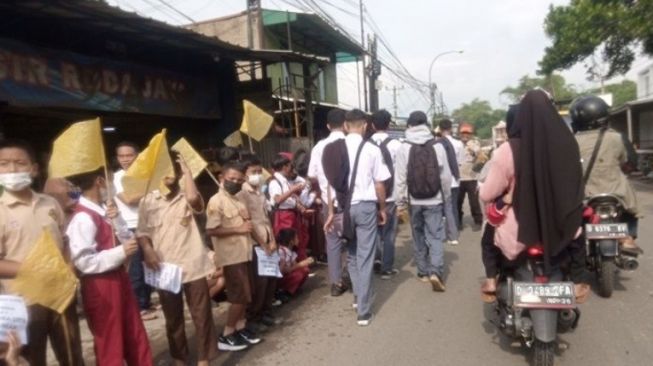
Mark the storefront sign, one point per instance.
(39, 77)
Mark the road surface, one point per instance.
(415, 326)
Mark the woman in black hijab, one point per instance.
(548, 189)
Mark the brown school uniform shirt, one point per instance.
(227, 211)
(171, 226)
(255, 202)
(22, 223)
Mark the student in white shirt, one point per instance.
(109, 302)
(388, 232)
(334, 244)
(284, 197)
(126, 154)
(367, 210)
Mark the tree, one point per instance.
(584, 28)
(622, 92)
(554, 84)
(481, 114)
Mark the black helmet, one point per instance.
(586, 111)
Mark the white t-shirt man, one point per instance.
(128, 213)
(315, 168)
(371, 169)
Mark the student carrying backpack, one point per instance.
(422, 182)
(423, 173)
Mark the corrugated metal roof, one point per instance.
(101, 17)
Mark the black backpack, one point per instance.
(387, 159)
(423, 172)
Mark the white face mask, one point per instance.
(14, 182)
(255, 180)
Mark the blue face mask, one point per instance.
(264, 188)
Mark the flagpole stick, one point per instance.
(251, 145)
(212, 177)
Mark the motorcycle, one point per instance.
(603, 232)
(534, 305)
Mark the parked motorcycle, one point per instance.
(534, 306)
(604, 230)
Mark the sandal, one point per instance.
(488, 290)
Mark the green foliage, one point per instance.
(586, 27)
(481, 114)
(622, 92)
(554, 84)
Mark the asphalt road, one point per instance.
(416, 326)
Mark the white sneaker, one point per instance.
(453, 242)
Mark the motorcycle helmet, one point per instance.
(586, 111)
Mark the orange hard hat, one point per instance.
(466, 128)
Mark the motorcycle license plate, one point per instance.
(606, 231)
(554, 295)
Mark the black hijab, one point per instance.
(549, 188)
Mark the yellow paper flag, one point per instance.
(194, 160)
(44, 277)
(256, 123)
(148, 170)
(234, 140)
(79, 149)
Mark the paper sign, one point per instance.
(13, 318)
(168, 277)
(268, 265)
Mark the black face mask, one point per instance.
(231, 187)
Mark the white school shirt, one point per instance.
(278, 186)
(128, 213)
(371, 169)
(458, 148)
(315, 168)
(393, 147)
(83, 248)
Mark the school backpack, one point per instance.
(387, 159)
(423, 172)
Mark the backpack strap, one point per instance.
(595, 154)
(352, 182)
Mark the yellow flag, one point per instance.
(79, 149)
(148, 170)
(256, 123)
(234, 140)
(44, 277)
(194, 160)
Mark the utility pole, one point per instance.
(395, 106)
(374, 70)
(363, 46)
(433, 88)
(252, 6)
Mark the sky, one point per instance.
(501, 40)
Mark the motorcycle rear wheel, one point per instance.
(607, 277)
(543, 353)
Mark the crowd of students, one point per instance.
(343, 200)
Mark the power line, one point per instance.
(177, 11)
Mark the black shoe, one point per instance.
(232, 342)
(346, 282)
(283, 296)
(257, 326)
(386, 275)
(248, 336)
(377, 266)
(337, 290)
(365, 320)
(270, 320)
